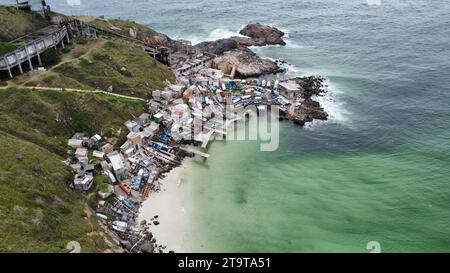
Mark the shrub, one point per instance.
(81, 40)
(6, 48)
(51, 57)
(83, 122)
(65, 50)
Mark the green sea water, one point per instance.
(243, 199)
(378, 170)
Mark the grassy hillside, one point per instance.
(123, 27)
(99, 64)
(48, 118)
(14, 23)
(38, 211)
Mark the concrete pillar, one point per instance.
(37, 53)
(55, 41)
(30, 63)
(39, 59)
(8, 67)
(20, 68)
(29, 59)
(18, 63)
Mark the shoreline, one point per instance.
(206, 99)
(168, 205)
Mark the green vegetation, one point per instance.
(38, 210)
(101, 183)
(6, 47)
(81, 40)
(51, 57)
(49, 118)
(104, 63)
(14, 23)
(123, 27)
(107, 63)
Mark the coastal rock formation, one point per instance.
(218, 47)
(309, 109)
(233, 52)
(160, 40)
(263, 34)
(246, 63)
(258, 35)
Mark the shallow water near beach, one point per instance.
(378, 170)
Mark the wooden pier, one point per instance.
(206, 138)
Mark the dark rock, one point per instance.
(263, 34)
(259, 35)
(37, 168)
(19, 156)
(218, 47)
(309, 108)
(147, 247)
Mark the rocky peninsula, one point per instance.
(191, 95)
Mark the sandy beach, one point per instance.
(169, 205)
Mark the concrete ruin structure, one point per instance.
(33, 46)
(39, 6)
(63, 29)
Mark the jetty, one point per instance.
(190, 150)
(206, 138)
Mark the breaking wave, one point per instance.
(216, 34)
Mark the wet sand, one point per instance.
(169, 205)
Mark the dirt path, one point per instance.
(75, 90)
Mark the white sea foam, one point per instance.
(216, 34)
(333, 105)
